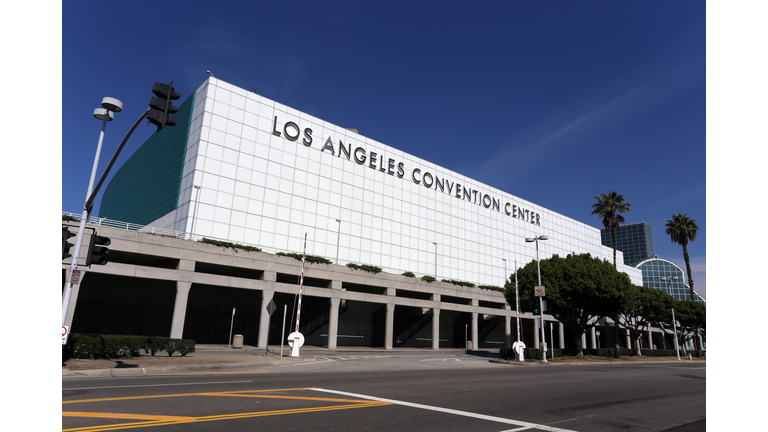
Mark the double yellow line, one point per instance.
(158, 420)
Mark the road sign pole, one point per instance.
(282, 336)
(230, 327)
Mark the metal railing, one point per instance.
(181, 235)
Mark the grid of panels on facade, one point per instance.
(147, 186)
(634, 240)
(263, 189)
(654, 270)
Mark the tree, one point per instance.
(683, 229)
(692, 316)
(609, 207)
(579, 289)
(658, 311)
(643, 306)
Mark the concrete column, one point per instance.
(508, 331)
(435, 328)
(592, 340)
(266, 297)
(333, 323)
(650, 338)
(180, 309)
(561, 334)
(629, 341)
(473, 330)
(389, 326)
(584, 340)
(536, 333)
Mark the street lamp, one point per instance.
(669, 280)
(505, 272)
(338, 239)
(434, 243)
(194, 212)
(105, 114)
(541, 301)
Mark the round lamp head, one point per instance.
(100, 113)
(112, 104)
(543, 238)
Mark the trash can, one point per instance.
(237, 341)
(469, 346)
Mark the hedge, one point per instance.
(535, 353)
(95, 346)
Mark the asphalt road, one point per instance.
(454, 392)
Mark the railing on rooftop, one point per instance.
(181, 235)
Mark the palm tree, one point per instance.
(683, 229)
(609, 207)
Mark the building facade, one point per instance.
(664, 275)
(245, 169)
(633, 240)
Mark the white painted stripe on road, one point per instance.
(155, 385)
(524, 425)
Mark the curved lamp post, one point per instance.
(109, 106)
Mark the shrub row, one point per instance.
(460, 283)
(234, 246)
(314, 259)
(535, 353)
(95, 346)
(365, 267)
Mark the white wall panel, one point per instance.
(268, 190)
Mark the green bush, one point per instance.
(65, 218)
(491, 287)
(94, 346)
(428, 278)
(460, 283)
(234, 246)
(309, 258)
(409, 274)
(365, 267)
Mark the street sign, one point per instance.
(539, 291)
(271, 307)
(75, 277)
(64, 334)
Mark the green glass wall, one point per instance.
(147, 186)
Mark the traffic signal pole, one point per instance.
(113, 105)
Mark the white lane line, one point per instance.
(524, 425)
(155, 385)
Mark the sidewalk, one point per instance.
(221, 357)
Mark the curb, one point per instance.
(98, 373)
(577, 363)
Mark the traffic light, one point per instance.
(97, 252)
(161, 107)
(65, 245)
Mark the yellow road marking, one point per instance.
(177, 395)
(125, 416)
(287, 397)
(226, 417)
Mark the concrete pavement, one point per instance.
(222, 357)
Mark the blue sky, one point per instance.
(554, 102)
